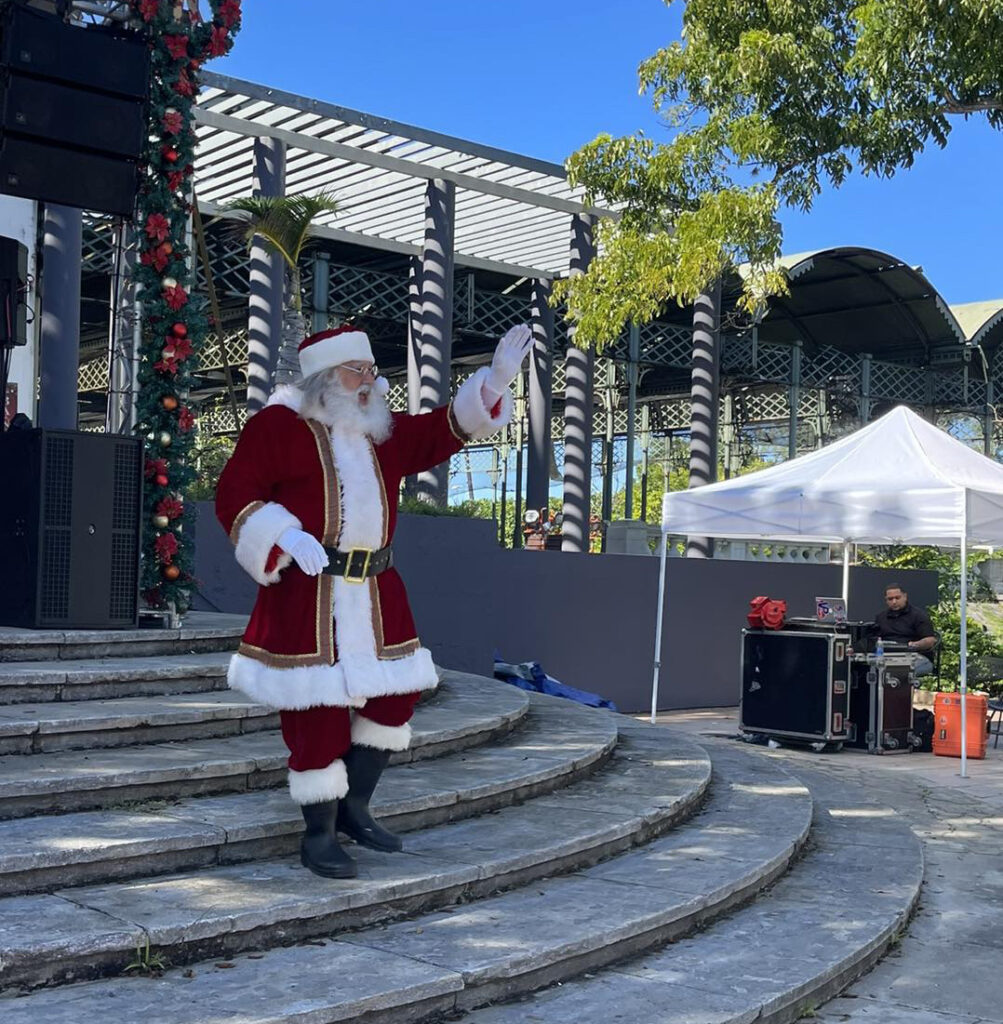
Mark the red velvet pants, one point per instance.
(318, 736)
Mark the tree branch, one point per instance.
(954, 105)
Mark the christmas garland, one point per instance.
(173, 325)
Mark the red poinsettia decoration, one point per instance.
(219, 41)
(155, 467)
(173, 122)
(175, 296)
(170, 507)
(185, 419)
(159, 257)
(157, 227)
(148, 9)
(175, 179)
(184, 86)
(229, 12)
(166, 547)
(177, 46)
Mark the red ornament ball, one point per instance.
(171, 572)
(180, 330)
(161, 480)
(171, 155)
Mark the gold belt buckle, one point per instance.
(360, 577)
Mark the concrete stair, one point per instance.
(655, 879)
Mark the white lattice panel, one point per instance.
(665, 345)
(830, 366)
(899, 383)
(93, 375)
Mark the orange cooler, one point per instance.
(947, 724)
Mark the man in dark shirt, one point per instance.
(903, 623)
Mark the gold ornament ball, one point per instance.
(172, 572)
(169, 402)
(165, 440)
(161, 522)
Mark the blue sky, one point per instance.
(543, 77)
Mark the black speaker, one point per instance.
(13, 291)
(794, 685)
(72, 111)
(55, 174)
(69, 529)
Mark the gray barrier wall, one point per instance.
(588, 619)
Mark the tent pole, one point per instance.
(846, 577)
(964, 639)
(661, 601)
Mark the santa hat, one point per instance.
(332, 348)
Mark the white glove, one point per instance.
(509, 356)
(307, 552)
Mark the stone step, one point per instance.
(81, 725)
(528, 761)
(646, 789)
(89, 724)
(69, 849)
(823, 925)
(38, 682)
(825, 921)
(200, 632)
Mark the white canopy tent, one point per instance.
(898, 480)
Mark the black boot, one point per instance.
(365, 766)
(320, 850)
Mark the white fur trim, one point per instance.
(258, 535)
(328, 352)
(316, 785)
(307, 686)
(288, 395)
(367, 733)
(472, 415)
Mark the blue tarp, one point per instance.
(529, 675)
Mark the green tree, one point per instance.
(771, 102)
(284, 223)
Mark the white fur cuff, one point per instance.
(472, 416)
(258, 535)
(367, 733)
(319, 784)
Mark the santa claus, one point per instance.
(309, 499)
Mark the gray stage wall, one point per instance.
(588, 619)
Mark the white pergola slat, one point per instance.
(512, 212)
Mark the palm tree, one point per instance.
(284, 223)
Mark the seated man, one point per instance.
(902, 623)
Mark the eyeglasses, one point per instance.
(362, 371)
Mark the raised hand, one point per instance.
(509, 356)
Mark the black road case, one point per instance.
(881, 703)
(795, 685)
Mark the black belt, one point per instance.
(358, 564)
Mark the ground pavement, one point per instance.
(944, 969)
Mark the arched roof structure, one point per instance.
(859, 300)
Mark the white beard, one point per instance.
(342, 409)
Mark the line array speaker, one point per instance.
(72, 110)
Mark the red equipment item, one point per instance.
(767, 613)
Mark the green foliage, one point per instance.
(174, 324)
(417, 507)
(284, 222)
(209, 455)
(771, 102)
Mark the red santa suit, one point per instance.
(323, 642)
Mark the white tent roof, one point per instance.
(897, 480)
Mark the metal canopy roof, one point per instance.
(860, 300)
(512, 212)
